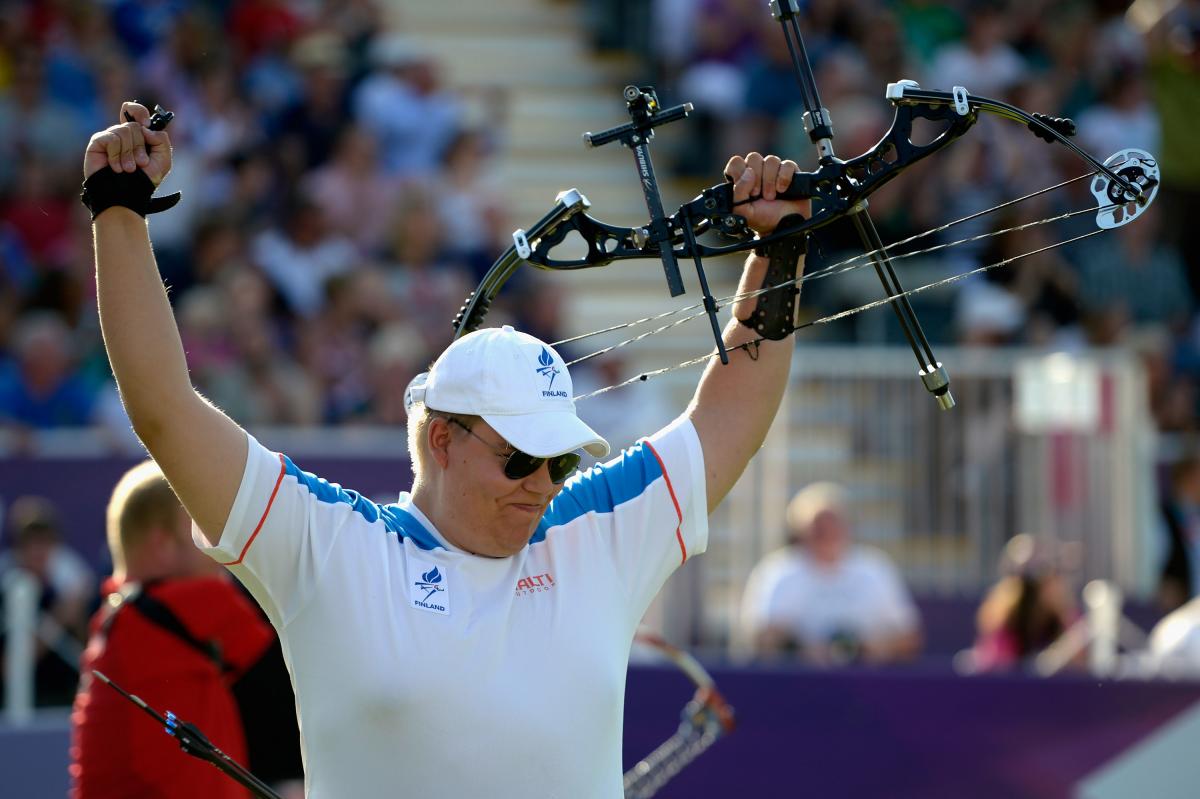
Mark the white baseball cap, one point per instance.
(518, 384)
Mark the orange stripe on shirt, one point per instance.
(270, 502)
(678, 511)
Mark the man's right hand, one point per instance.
(130, 145)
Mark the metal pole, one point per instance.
(20, 617)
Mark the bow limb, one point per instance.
(470, 317)
(705, 719)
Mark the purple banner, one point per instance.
(895, 734)
(901, 733)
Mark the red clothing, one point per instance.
(117, 750)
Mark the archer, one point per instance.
(469, 695)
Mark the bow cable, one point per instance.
(753, 344)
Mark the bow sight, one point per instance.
(1124, 186)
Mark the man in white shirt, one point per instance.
(472, 638)
(826, 599)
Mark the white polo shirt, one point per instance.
(420, 669)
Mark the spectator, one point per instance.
(358, 199)
(269, 387)
(1031, 302)
(470, 203)
(423, 280)
(1175, 642)
(826, 599)
(314, 121)
(247, 189)
(1026, 611)
(396, 354)
(174, 631)
(42, 389)
(1173, 45)
(1180, 576)
(928, 26)
(204, 326)
(881, 40)
(984, 61)
(1123, 118)
(217, 246)
(39, 213)
(334, 348)
(1136, 272)
(405, 107)
(715, 81)
(258, 26)
(66, 585)
(770, 91)
(39, 125)
(301, 255)
(141, 27)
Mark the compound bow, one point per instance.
(1124, 185)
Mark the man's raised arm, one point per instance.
(735, 404)
(199, 449)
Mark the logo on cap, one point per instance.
(548, 369)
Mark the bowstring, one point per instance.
(747, 346)
(854, 262)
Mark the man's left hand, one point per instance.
(764, 178)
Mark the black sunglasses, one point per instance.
(519, 465)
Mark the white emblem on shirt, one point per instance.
(430, 589)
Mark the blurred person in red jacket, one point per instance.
(172, 630)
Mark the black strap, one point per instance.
(132, 190)
(774, 316)
(158, 613)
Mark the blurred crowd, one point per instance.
(338, 206)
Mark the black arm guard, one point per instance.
(775, 315)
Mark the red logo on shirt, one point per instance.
(531, 585)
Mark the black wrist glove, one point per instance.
(132, 190)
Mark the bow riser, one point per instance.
(836, 187)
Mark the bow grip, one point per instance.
(801, 188)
